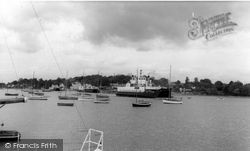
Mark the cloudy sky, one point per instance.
(119, 37)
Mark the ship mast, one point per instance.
(169, 95)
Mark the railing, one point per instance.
(93, 141)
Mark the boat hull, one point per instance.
(39, 93)
(11, 94)
(13, 100)
(9, 135)
(146, 94)
(141, 104)
(102, 96)
(67, 98)
(101, 100)
(38, 98)
(86, 99)
(166, 101)
(65, 104)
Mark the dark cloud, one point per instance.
(124, 24)
(139, 21)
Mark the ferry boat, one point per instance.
(144, 88)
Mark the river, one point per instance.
(200, 123)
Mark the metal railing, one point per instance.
(93, 141)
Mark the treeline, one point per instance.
(203, 86)
(95, 80)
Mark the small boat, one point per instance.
(101, 100)
(65, 104)
(9, 135)
(220, 98)
(67, 97)
(87, 94)
(11, 94)
(140, 103)
(13, 100)
(171, 101)
(39, 93)
(102, 96)
(86, 98)
(38, 97)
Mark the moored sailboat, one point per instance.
(10, 94)
(140, 103)
(170, 99)
(36, 97)
(83, 95)
(101, 98)
(66, 97)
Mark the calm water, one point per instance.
(200, 123)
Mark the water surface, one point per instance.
(200, 123)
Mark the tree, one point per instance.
(162, 82)
(187, 83)
(212, 91)
(234, 88)
(245, 90)
(177, 86)
(225, 89)
(196, 82)
(206, 83)
(40, 83)
(218, 85)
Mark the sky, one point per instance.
(52, 39)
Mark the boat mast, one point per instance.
(101, 83)
(136, 84)
(65, 87)
(32, 83)
(169, 95)
(83, 85)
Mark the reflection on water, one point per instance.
(200, 123)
